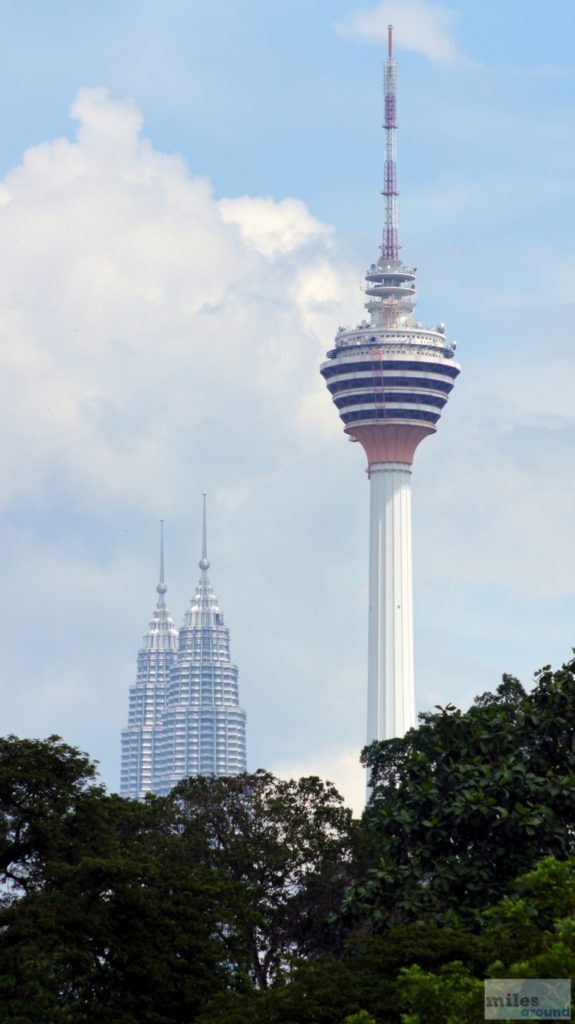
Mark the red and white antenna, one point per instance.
(390, 244)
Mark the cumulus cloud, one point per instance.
(273, 228)
(129, 290)
(419, 26)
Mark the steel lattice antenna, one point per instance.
(390, 243)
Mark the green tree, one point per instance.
(363, 1017)
(115, 925)
(468, 801)
(531, 932)
(287, 847)
(452, 996)
(377, 962)
(365, 978)
(48, 809)
(318, 991)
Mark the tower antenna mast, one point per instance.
(390, 243)
(204, 561)
(162, 580)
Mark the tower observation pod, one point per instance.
(390, 378)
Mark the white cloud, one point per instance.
(341, 767)
(128, 291)
(418, 26)
(273, 228)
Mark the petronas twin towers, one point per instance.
(184, 712)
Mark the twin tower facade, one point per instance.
(184, 713)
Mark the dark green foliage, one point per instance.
(452, 996)
(363, 1017)
(128, 913)
(365, 978)
(422, 942)
(318, 992)
(48, 808)
(531, 934)
(535, 923)
(115, 926)
(110, 947)
(287, 846)
(468, 801)
(222, 903)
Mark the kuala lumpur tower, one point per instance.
(390, 378)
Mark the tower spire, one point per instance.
(161, 588)
(140, 740)
(204, 562)
(390, 243)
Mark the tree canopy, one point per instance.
(287, 845)
(255, 900)
(102, 916)
(469, 800)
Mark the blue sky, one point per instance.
(177, 256)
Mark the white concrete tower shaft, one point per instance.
(390, 378)
(390, 689)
